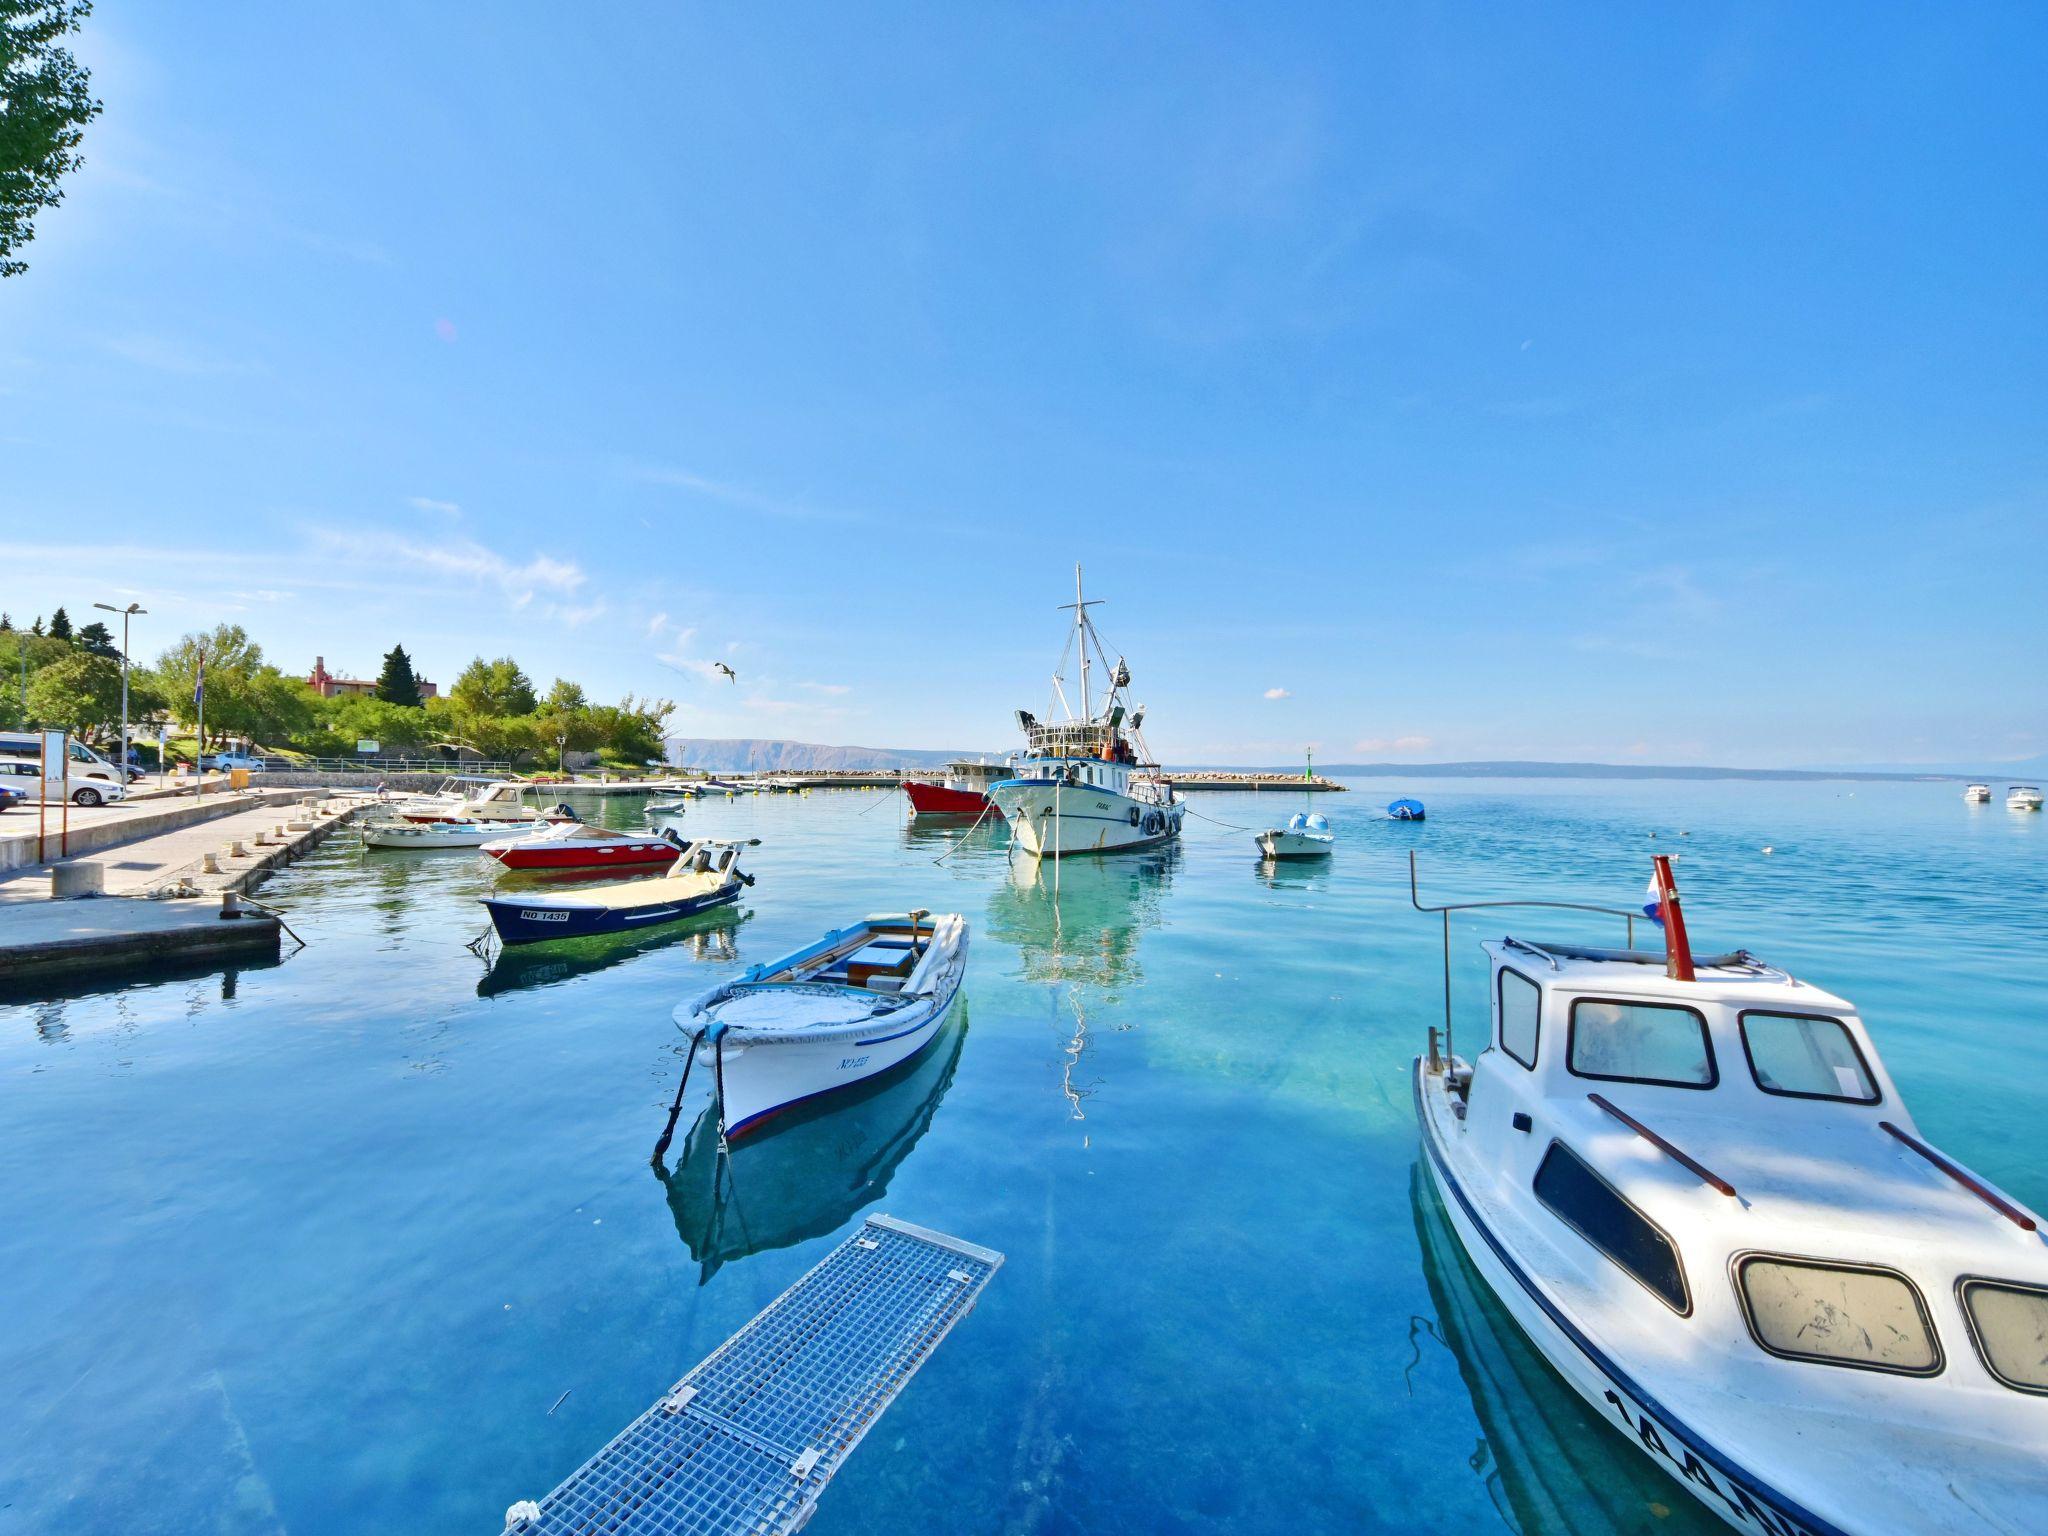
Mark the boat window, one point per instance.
(1663, 1043)
(1587, 1203)
(1837, 1314)
(1519, 997)
(2010, 1324)
(1806, 1056)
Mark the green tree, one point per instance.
(45, 102)
(37, 627)
(233, 662)
(396, 683)
(96, 639)
(632, 728)
(6, 623)
(60, 625)
(79, 693)
(494, 688)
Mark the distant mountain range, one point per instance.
(760, 755)
(756, 755)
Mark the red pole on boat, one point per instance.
(1677, 948)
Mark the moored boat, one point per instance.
(1083, 784)
(961, 791)
(577, 845)
(705, 877)
(1307, 835)
(1696, 1189)
(500, 800)
(2023, 797)
(429, 834)
(837, 1012)
(1978, 794)
(1406, 809)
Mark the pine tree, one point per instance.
(37, 627)
(96, 639)
(6, 622)
(60, 625)
(396, 684)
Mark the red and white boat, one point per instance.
(577, 845)
(963, 791)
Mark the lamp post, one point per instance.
(126, 614)
(561, 754)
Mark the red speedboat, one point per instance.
(575, 845)
(963, 791)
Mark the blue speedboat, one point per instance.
(706, 876)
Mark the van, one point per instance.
(89, 779)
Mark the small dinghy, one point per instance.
(430, 834)
(1307, 835)
(707, 875)
(578, 845)
(1696, 1189)
(1405, 809)
(857, 1002)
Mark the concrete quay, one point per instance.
(193, 867)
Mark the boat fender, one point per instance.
(1134, 815)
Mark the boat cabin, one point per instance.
(1732, 1146)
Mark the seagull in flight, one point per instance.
(730, 675)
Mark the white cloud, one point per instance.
(1279, 693)
(576, 617)
(743, 497)
(429, 504)
(834, 689)
(691, 666)
(1393, 744)
(656, 625)
(458, 557)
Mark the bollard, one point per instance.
(230, 906)
(78, 880)
(209, 865)
(236, 850)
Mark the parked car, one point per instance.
(10, 797)
(226, 760)
(88, 780)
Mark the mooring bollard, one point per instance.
(236, 850)
(209, 865)
(78, 880)
(230, 905)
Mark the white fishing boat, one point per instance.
(1307, 834)
(2023, 797)
(1978, 794)
(1084, 784)
(1696, 1189)
(855, 1003)
(430, 834)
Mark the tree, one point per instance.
(6, 623)
(80, 693)
(37, 627)
(565, 698)
(632, 728)
(233, 662)
(494, 688)
(60, 621)
(396, 684)
(97, 640)
(45, 102)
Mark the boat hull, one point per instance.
(536, 919)
(1068, 820)
(938, 800)
(639, 853)
(443, 834)
(1738, 1496)
(1296, 845)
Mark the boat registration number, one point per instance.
(849, 1063)
(533, 916)
(1744, 1507)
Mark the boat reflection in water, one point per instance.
(1080, 920)
(1548, 1461)
(708, 938)
(813, 1167)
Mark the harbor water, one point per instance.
(369, 1239)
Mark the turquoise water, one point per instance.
(318, 1246)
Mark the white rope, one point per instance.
(987, 806)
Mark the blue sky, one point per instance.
(1425, 382)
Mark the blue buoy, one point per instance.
(1406, 810)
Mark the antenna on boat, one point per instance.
(1677, 947)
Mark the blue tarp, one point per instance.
(1406, 810)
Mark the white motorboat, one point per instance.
(1695, 1188)
(2023, 797)
(496, 800)
(1084, 783)
(1307, 835)
(1978, 794)
(855, 1003)
(430, 834)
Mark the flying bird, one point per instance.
(730, 675)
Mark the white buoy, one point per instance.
(1767, 847)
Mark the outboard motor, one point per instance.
(563, 810)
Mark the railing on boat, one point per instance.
(1698, 1170)
(1962, 1176)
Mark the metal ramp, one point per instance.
(747, 1441)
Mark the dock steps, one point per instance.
(748, 1440)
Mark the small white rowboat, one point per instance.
(855, 1003)
(430, 834)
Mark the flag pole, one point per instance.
(199, 698)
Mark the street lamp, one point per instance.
(126, 614)
(561, 754)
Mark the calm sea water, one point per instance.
(321, 1246)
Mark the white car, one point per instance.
(227, 760)
(28, 774)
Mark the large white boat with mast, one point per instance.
(1086, 783)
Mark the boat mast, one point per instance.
(1080, 605)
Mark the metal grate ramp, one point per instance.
(747, 1441)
